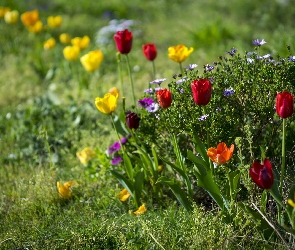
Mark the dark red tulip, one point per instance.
(201, 90)
(123, 41)
(262, 174)
(149, 51)
(132, 120)
(284, 104)
(164, 98)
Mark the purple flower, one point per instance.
(182, 80)
(258, 42)
(153, 107)
(292, 58)
(203, 117)
(250, 60)
(114, 148)
(191, 66)
(158, 81)
(232, 51)
(208, 67)
(228, 92)
(116, 160)
(264, 57)
(145, 102)
(181, 91)
(218, 109)
(149, 91)
(157, 89)
(123, 140)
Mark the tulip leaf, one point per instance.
(138, 185)
(124, 181)
(200, 148)
(128, 165)
(263, 201)
(198, 161)
(234, 178)
(177, 191)
(274, 191)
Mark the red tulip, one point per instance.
(201, 91)
(149, 51)
(123, 41)
(262, 174)
(132, 120)
(164, 98)
(284, 104)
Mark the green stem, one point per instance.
(230, 186)
(113, 122)
(181, 68)
(208, 139)
(154, 71)
(131, 81)
(120, 72)
(283, 156)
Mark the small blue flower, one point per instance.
(208, 67)
(264, 57)
(153, 107)
(158, 81)
(203, 117)
(182, 80)
(292, 58)
(228, 92)
(258, 42)
(181, 91)
(250, 60)
(149, 91)
(232, 52)
(191, 66)
(157, 89)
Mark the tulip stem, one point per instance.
(113, 122)
(131, 81)
(120, 72)
(181, 68)
(283, 156)
(154, 72)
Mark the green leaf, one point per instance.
(128, 165)
(263, 201)
(274, 191)
(198, 161)
(124, 181)
(138, 185)
(234, 178)
(200, 148)
(177, 191)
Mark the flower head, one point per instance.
(258, 42)
(145, 102)
(191, 66)
(49, 44)
(92, 60)
(116, 160)
(114, 91)
(3, 10)
(164, 98)
(140, 210)
(30, 18)
(208, 67)
(107, 104)
(114, 147)
(85, 155)
(150, 51)
(54, 21)
(158, 81)
(228, 92)
(203, 117)
(232, 52)
(124, 195)
(179, 53)
(132, 120)
(153, 107)
(81, 42)
(71, 53)
(65, 38)
(36, 28)
(262, 174)
(65, 189)
(11, 17)
(123, 40)
(201, 91)
(284, 104)
(221, 154)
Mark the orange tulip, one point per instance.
(221, 154)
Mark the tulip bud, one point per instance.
(201, 90)
(123, 41)
(262, 174)
(149, 51)
(132, 120)
(164, 98)
(284, 104)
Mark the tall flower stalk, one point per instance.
(131, 80)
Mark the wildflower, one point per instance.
(85, 155)
(116, 160)
(114, 91)
(30, 18)
(203, 117)
(49, 44)
(149, 91)
(107, 104)
(181, 91)
(221, 154)
(191, 66)
(54, 21)
(145, 102)
(228, 92)
(3, 10)
(123, 195)
(150, 51)
(179, 53)
(81, 42)
(262, 174)
(140, 210)
(36, 28)
(208, 68)
(157, 89)
(232, 52)
(201, 90)
(284, 104)
(65, 189)
(158, 81)
(123, 40)
(114, 147)
(92, 60)
(258, 42)
(132, 120)
(65, 38)
(11, 17)
(164, 98)
(292, 58)
(250, 60)
(71, 53)
(182, 80)
(153, 107)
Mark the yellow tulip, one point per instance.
(11, 17)
(81, 42)
(65, 189)
(30, 18)
(54, 21)
(140, 210)
(124, 195)
(65, 38)
(114, 91)
(71, 53)
(36, 28)
(85, 155)
(92, 60)
(3, 10)
(107, 104)
(49, 44)
(179, 53)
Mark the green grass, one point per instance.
(45, 120)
